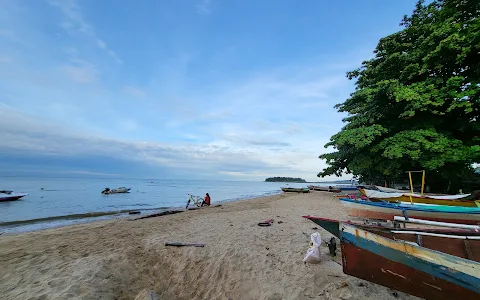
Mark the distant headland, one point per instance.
(285, 179)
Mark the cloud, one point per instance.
(249, 139)
(204, 7)
(81, 71)
(75, 23)
(82, 172)
(136, 92)
(33, 142)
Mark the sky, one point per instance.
(195, 89)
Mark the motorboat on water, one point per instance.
(120, 190)
(11, 196)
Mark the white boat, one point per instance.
(120, 190)
(11, 196)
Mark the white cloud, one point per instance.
(25, 133)
(75, 23)
(81, 71)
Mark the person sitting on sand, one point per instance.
(206, 201)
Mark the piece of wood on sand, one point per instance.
(164, 213)
(180, 244)
(146, 295)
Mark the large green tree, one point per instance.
(417, 102)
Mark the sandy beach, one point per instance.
(117, 259)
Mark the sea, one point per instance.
(56, 202)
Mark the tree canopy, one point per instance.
(416, 104)
(284, 179)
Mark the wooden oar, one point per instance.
(180, 244)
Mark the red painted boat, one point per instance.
(407, 266)
(465, 245)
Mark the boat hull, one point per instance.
(363, 210)
(464, 243)
(294, 190)
(412, 269)
(347, 188)
(398, 276)
(11, 197)
(399, 197)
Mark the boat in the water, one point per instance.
(450, 200)
(11, 196)
(120, 190)
(434, 266)
(296, 190)
(387, 211)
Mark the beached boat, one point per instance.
(345, 188)
(407, 266)
(11, 196)
(461, 242)
(120, 190)
(451, 200)
(387, 211)
(321, 188)
(325, 189)
(296, 190)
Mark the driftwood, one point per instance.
(164, 213)
(266, 223)
(146, 295)
(180, 244)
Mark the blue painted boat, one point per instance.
(387, 211)
(406, 266)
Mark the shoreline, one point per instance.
(117, 259)
(20, 226)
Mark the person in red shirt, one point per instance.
(206, 201)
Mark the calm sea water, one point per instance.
(67, 198)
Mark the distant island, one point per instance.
(285, 179)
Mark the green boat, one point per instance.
(296, 190)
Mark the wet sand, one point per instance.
(117, 259)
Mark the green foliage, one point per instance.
(284, 179)
(417, 102)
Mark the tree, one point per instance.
(416, 104)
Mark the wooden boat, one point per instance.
(450, 200)
(461, 242)
(326, 189)
(387, 211)
(296, 190)
(345, 188)
(390, 228)
(409, 267)
(11, 196)
(356, 195)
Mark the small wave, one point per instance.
(78, 216)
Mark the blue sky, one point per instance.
(211, 89)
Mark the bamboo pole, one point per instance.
(423, 181)
(462, 237)
(434, 223)
(411, 183)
